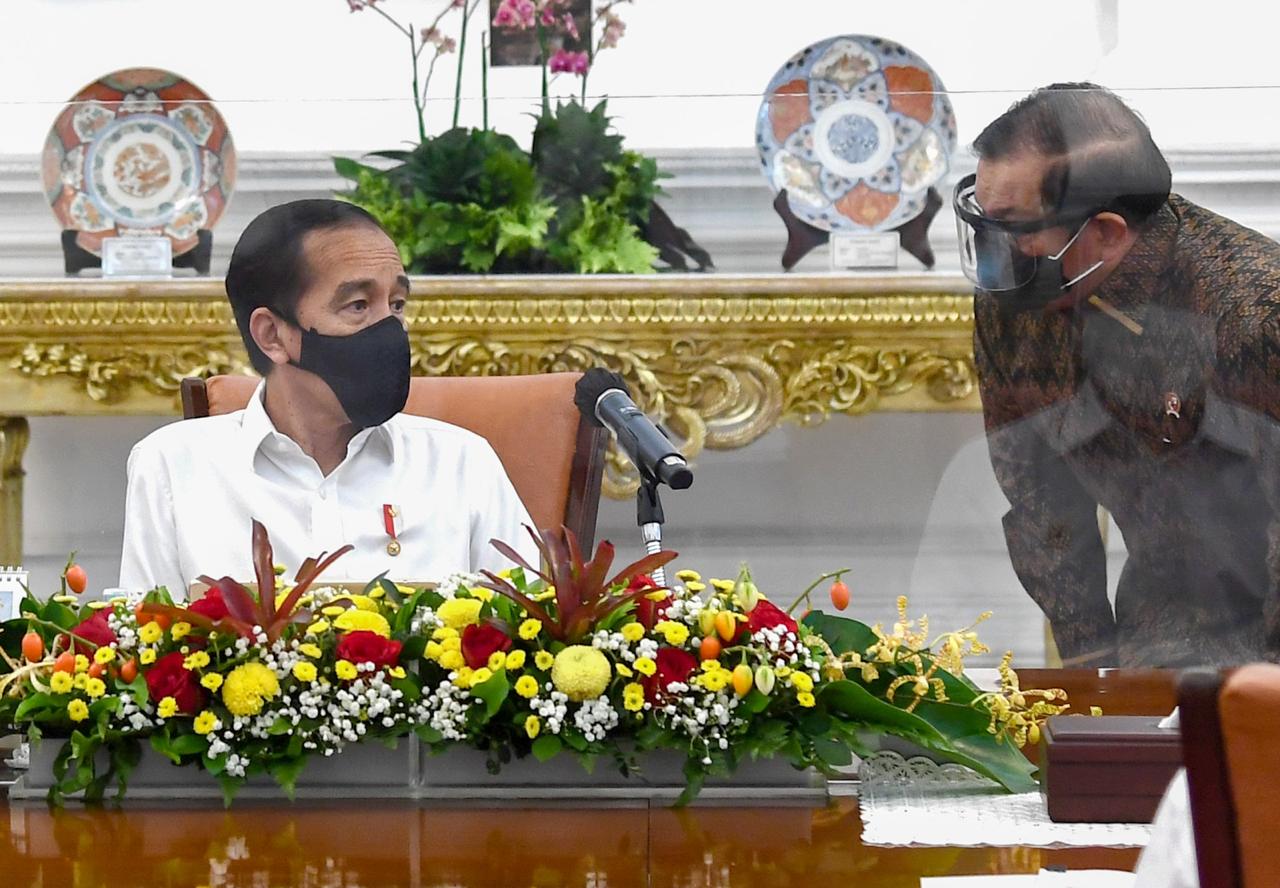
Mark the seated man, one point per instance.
(1127, 344)
(322, 455)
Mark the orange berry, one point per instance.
(96, 670)
(840, 594)
(66, 662)
(160, 619)
(32, 646)
(129, 671)
(710, 648)
(742, 679)
(77, 579)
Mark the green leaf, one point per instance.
(853, 701)
(546, 747)
(493, 691)
(189, 744)
(286, 772)
(832, 752)
(841, 633)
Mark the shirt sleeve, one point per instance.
(1051, 528)
(150, 554)
(498, 515)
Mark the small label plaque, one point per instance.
(13, 588)
(140, 256)
(859, 251)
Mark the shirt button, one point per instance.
(324, 494)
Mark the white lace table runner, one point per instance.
(919, 802)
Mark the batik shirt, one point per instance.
(1172, 429)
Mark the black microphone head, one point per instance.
(594, 383)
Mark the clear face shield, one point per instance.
(990, 255)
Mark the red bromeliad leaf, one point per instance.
(502, 587)
(303, 582)
(265, 568)
(240, 604)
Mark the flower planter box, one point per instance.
(371, 770)
(461, 774)
(363, 770)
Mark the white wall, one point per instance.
(305, 75)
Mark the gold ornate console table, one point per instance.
(721, 359)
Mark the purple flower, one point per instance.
(515, 14)
(564, 61)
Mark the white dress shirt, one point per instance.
(1169, 860)
(195, 486)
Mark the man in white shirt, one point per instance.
(321, 455)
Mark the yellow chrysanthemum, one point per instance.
(645, 665)
(82, 662)
(532, 726)
(363, 602)
(168, 707)
(633, 632)
(451, 660)
(212, 681)
(356, 620)
(715, 681)
(310, 650)
(333, 610)
(304, 671)
(60, 683)
(150, 633)
(104, 655)
(481, 675)
(802, 681)
(459, 613)
(675, 633)
(345, 670)
(433, 650)
(77, 710)
(81, 681)
(205, 723)
(527, 686)
(462, 677)
(497, 660)
(481, 593)
(247, 687)
(198, 660)
(319, 627)
(397, 672)
(805, 699)
(515, 660)
(633, 697)
(723, 585)
(453, 643)
(180, 630)
(624, 670)
(530, 628)
(94, 688)
(695, 586)
(443, 632)
(543, 660)
(686, 576)
(581, 672)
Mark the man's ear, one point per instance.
(273, 335)
(1112, 236)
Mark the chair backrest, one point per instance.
(555, 459)
(1230, 730)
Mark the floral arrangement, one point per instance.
(569, 657)
(472, 200)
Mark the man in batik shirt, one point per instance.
(1126, 343)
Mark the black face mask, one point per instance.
(1046, 283)
(367, 371)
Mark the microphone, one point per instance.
(605, 400)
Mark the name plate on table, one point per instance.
(138, 256)
(863, 251)
(13, 588)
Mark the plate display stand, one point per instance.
(803, 237)
(76, 258)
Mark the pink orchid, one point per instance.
(570, 26)
(357, 5)
(564, 61)
(614, 28)
(515, 14)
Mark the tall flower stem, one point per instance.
(542, 52)
(462, 54)
(484, 80)
(804, 596)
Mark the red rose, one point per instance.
(481, 640)
(674, 664)
(168, 678)
(648, 612)
(765, 615)
(211, 606)
(363, 646)
(94, 629)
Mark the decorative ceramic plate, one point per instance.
(856, 129)
(139, 151)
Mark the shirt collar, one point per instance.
(1133, 283)
(256, 427)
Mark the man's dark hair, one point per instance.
(269, 268)
(1103, 155)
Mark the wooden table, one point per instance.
(401, 843)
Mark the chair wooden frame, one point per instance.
(585, 479)
(1213, 813)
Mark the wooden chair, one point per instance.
(1230, 738)
(554, 458)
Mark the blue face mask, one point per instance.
(368, 371)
